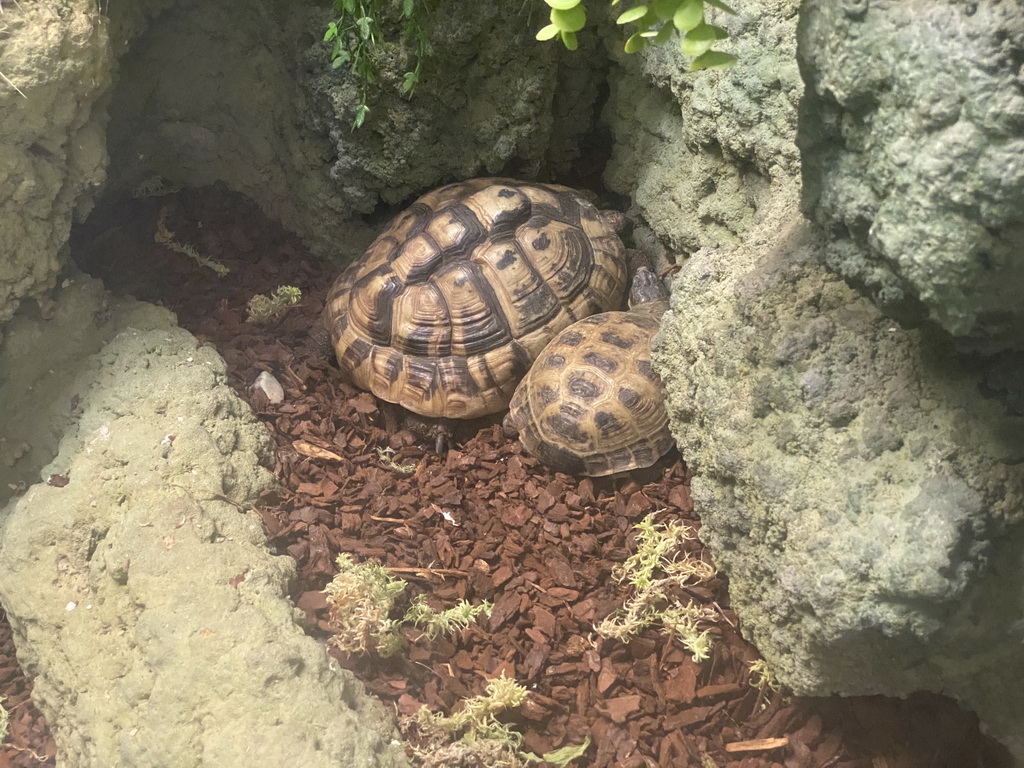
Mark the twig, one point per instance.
(424, 572)
(37, 756)
(8, 81)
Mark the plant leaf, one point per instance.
(664, 9)
(409, 82)
(562, 5)
(361, 112)
(713, 60)
(572, 20)
(331, 33)
(363, 23)
(689, 15)
(701, 38)
(633, 14)
(663, 34)
(565, 755)
(548, 32)
(569, 40)
(635, 43)
(407, 8)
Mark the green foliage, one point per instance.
(474, 736)
(762, 677)
(656, 21)
(359, 36)
(165, 237)
(434, 623)
(359, 40)
(361, 598)
(386, 456)
(658, 568)
(263, 308)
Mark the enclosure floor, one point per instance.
(483, 523)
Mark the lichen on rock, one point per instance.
(56, 62)
(913, 141)
(852, 477)
(154, 621)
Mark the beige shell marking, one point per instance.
(591, 404)
(452, 303)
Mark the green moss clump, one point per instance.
(263, 308)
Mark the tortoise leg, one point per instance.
(444, 436)
(440, 429)
(321, 346)
(392, 416)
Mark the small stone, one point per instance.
(270, 387)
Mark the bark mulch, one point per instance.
(484, 522)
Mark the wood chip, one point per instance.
(757, 745)
(314, 452)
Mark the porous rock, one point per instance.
(492, 101)
(55, 65)
(145, 604)
(206, 93)
(912, 136)
(697, 152)
(861, 484)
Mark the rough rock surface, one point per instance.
(697, 153)
(144, 601)
(861, 492)
(55, 62)
(492, 100)
(913, 143)
(205, 93)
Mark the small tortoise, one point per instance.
(591, 404)
(452, 303)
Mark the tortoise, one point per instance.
(592, 404)
(453, 301)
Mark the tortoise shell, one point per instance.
(592, 404)
(452, 303)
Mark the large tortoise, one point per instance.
(592, 404)
(452, 303)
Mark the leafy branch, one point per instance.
(358, 36)
(657, 22)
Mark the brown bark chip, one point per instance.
(486, 522)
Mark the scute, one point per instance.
(453, 301)
(591, 403)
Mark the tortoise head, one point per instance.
(647, 288)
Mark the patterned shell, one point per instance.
(452, 303)
(591, 404)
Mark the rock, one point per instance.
(56, 62)
(697, 152)
(912, 136)
(207, 94)
(145, 604)
(861, 484)
(494, 101)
